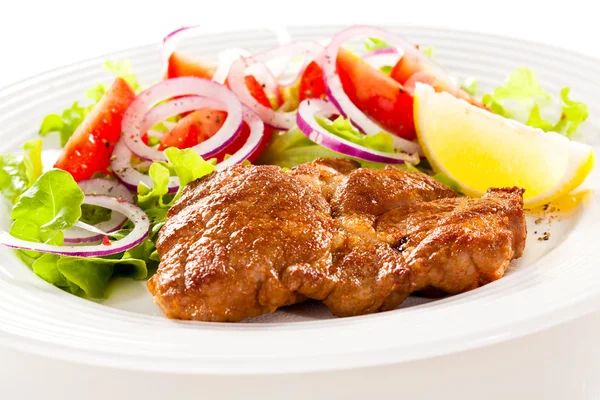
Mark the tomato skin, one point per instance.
(406, 67)
(181, 64)
(89, 149)
(200, 125)
(409, 70)
(194, 128)
(377, 95)
(257, 91)
(312, 85)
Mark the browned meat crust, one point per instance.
(251, 239)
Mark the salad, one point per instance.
(128, 151)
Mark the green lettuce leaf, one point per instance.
(17, 175)
(372, 44)
(288, 149)
(188, 165)
(522, 94)
(160, 178)
(343, 128)
(470, 86)
(92, 274)
(94, 215)
(53, 202)
(574, 113)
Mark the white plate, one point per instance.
(555, 281)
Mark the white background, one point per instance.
(560, 363)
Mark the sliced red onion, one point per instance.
(278, 120)
(310, 108)
(135, 237)
(171, 41)
(121, 165)
(340, 99)
(84, 233)
(257, 128)
(226, 59)
(131, 177)
(133, 121)
(388, 56)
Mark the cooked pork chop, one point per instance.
(254, 238)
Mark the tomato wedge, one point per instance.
(409, 70)
(312, 85)
(202, 124)
(194, 128)
(257, 91)
(181, 64)
(377, 95)
(89, 149)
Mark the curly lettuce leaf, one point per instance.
(291, 148)
(53, 202)
(574, 113)
(343, 128)
(523, 98)
(188, 165)
(19, 174)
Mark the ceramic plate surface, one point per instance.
(556, 280)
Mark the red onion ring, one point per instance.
(121, 156)
(278, 120)
(135, 237)
(340, 99)
(257, 128)
(307, 111)
(133, 128)
(388, 56)
(171, 41)
(105, 187)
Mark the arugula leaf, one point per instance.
(343, 128)
(372, 44)
(53, 202)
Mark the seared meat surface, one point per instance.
(254, 238)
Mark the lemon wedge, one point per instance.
(479, 150)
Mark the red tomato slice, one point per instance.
(409, 70)
(312, 85)
(183, 65)
(202, 124)
(377, 95)
(194, 128)
(257, 91)
(89, 149)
